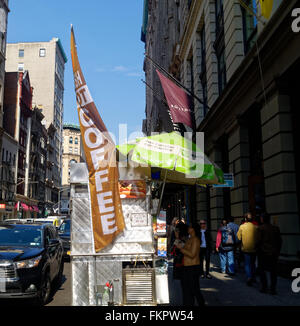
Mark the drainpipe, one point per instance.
(28, 142)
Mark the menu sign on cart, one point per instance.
(132, 188)
(162, 247)
(139, 219)
(161, 222)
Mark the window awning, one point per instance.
(22, 205)
(35, 208)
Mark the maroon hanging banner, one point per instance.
(179, 101)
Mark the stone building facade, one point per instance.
(244, 68)
(72, 153)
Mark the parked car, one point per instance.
(30, 261)
(64, 232)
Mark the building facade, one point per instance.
(38, 161)
(244, 69)
(72, 153)
(4, 10)
(45, 62)
(17, 119)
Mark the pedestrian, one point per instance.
(225, 243)
(248, 235)
(205, 250)
(235, 227)
(269, 246)
(171, 232)
(181, 236)
(191, 270)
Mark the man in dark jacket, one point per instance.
(205, 250)
(269, 245)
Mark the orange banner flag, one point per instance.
(100, 153)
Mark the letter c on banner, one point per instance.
(87, 138)
(84, 122)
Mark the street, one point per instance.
(63, 295)
(222, 290)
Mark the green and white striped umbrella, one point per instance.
(182, 159)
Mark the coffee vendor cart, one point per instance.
(125, 272)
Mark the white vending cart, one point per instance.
(123, 273)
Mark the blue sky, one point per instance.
(109, 48)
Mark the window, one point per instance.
(203, 77)
(76, 140)
(42, 52)
(71, 140)
(21, 53)
(70, 149)
(221, 70)
(249, 25)
(219, 45)
(219, 16)
(20, 66)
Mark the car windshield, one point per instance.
(65, 227)
(20, 236)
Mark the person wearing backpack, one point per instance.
(225, 244)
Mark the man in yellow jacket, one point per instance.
(248, 235)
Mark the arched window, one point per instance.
(71, 140)
(76, 140)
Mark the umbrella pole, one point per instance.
(162, 192)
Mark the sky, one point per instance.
(110, 51)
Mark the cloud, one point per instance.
(120, 69)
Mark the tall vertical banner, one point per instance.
(100, 153)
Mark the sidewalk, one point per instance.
(223, 290)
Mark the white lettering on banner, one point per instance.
(100, 180)
(84, 122)
(77, 79)
(83, 96)
(97, 157)
(108, 221)
(103, 202)
(183, 109)
(87, 138)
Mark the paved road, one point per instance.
(222, 290)
(63, 295)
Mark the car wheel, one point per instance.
(45, 290)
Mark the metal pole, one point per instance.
(162, 192)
